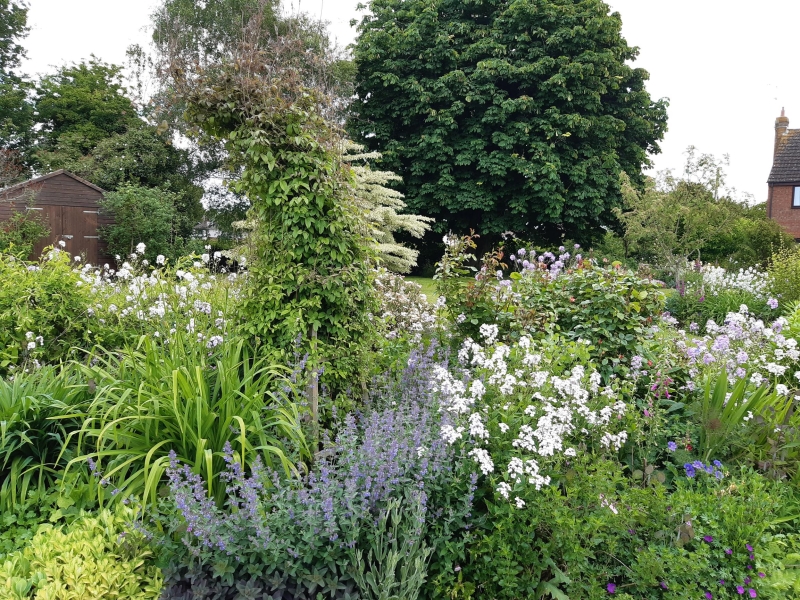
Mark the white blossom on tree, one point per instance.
(382, 209)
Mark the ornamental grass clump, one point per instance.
(172, 395)
(39, 411)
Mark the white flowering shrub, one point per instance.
(751, 280)
(54, 308)
(711, 292)
(42, 310)
(142, 299)
(404, 309)
(526, 410)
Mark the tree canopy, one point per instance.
(505, 114)
(80, 105)
(15, 112)
(90, 126)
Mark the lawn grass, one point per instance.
(428, 287)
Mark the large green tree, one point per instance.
(16, 112)
(80, 105)
(90, 126)
(505, 114)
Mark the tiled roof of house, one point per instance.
(786, 164)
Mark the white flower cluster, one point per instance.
(504, 399)
(716, 279)
(158, 301)
(404, 308)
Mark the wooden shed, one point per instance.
(70, 205)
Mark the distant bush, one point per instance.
(784, 270)
(43, 309)
(20, 233)
(610, 308)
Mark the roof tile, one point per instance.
(786, 164)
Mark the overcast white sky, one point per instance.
(727, 66)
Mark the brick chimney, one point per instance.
(781, 125)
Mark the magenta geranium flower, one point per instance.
(611, 587)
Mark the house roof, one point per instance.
(786, 164)
(36, 180)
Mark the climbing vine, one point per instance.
(310, 270)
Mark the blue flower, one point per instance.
(690, 472)
(717, 464)
(672, 446)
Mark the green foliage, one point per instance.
(610, 307)
(751, 238)
(90, 127)
(16, 113)
(673, 225)
(38, 411)
(94, 557)
(78, 106)
(42, 309)
(503, 115)
(20, 233)
(176, 397)
(309, 274)
(695, 306)
(595, 528)
(206, 31)
(394, 564)
(722, 414)
(140, 215)
(782, 565)
(142, 156)
(784, 270)
(454, 266)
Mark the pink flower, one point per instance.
(611, 587)
(740, 589)
(752, 593)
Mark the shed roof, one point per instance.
(786, 164)
(36, 180)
